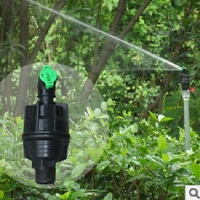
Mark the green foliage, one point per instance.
(127, 91)
(7, 185)
(143, 158)
(140, 161)
(72, 195)
(146, 163)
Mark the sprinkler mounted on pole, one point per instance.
(185, 83)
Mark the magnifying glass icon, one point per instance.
(194, 193)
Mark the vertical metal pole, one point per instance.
(186, 97)
(185, 82)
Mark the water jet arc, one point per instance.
(116, 39)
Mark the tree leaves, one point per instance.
(108, 197)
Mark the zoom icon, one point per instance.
(192, 192)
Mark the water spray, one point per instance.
(109, 36)
(46, 129)
(185, 83)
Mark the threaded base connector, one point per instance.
(45, 175)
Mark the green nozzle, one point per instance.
(48, 76)
(183, 68)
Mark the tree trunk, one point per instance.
(7, 15)
(98, 26)
(7, 7)
(110, 45)
(25, 73)
(167, 78)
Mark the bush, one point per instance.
(140, 161)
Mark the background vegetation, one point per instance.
(144, 157)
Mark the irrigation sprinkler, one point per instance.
(185, 83)
(46, 130)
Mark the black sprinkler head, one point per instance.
(185, 79)
(46, 129)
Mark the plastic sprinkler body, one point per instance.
(185, 79)
(46, 129)
(185, 83)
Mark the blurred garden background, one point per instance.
(144, 157)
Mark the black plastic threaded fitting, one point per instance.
(46, 134)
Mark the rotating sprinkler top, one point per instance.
(185, 79)
(48, 76)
